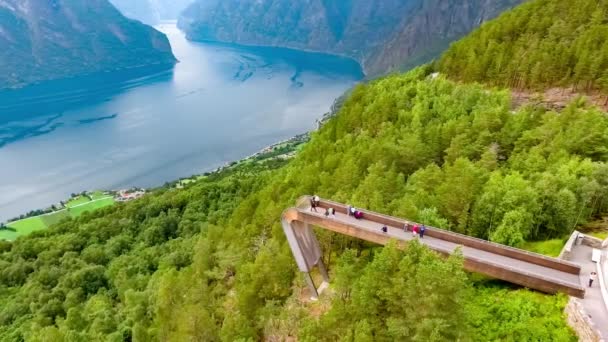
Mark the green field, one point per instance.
(76, 207)
(79, 200)
(550, 248)
(90, 206)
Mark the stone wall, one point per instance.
(592, 241)
(567, 249)
(579, 320)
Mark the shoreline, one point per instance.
(297, 139)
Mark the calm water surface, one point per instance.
(219, 104)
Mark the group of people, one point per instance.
(315, 202)
(352, 211)
(417, 230)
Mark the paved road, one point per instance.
(593, 301)
(522, 267)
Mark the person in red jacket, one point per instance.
(415, 230)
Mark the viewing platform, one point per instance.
(510, 264)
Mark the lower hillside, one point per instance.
(210, 263)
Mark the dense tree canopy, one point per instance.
(542, 43)
(210, 262)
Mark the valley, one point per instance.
(495, 147)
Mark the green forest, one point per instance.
(540, 44)
(209, 262)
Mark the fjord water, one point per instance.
(219, 104)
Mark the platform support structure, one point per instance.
(306, 250)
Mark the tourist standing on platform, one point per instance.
(415, 230)
(422, 230)
(592, 277)
(317, 200)
(327, 212)
(313, 205)
(349, 209)
(332, 212)
(384, 229)
(406, 226)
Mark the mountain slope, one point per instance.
(45, 40)
(151, 11)
(541, 44)
(209, 262)
(383, 35)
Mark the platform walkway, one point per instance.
(510, 264)
(593, 301)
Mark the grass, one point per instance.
(22, 227)
(76, 207)
(550, 248)
(98, 195)
(602, 235)
(90, 206)
(80, 200)
(77, 201)
(54, 217)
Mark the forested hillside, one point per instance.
(210, 262)
(540, 44)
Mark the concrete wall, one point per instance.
(579, 320)
(592, 241)
(602, 272)
(302, 241)
(566, 252)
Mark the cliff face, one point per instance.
(383, 35)
(151, 11)
(52, 39)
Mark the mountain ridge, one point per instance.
(382, 36)
(54, 40)
(151, 12)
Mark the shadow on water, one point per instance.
(36, 109)
(101, 118)
(261, 58)
(59, 96)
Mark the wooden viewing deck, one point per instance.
(510, 264)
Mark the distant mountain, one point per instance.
(383, 35)
(53, 39)
(151, 11)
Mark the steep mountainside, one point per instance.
(151, 11)
(383, 35)
(540, 44)
(44, 40)
(209, 262)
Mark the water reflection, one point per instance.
(220, 103)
